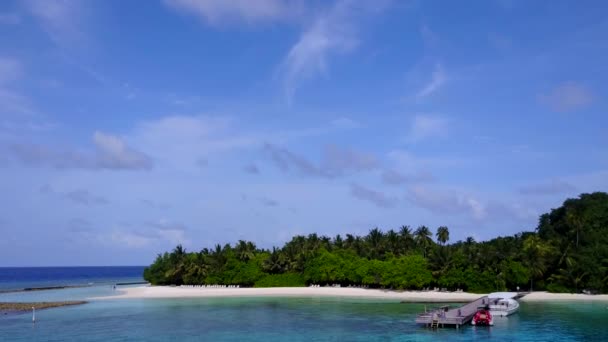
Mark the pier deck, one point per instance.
(452, 317)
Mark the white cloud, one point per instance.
(427, 127)
(171, 232)
(130, 239)
(161, 233)
(111, 153)
(333, 31)
(184, 140)
(567, 97)
(447, 202)
(438, 79)
(345, 123)
(60, 19)
(218, 12)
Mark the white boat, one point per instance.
(503, 304)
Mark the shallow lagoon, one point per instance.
(292, 319)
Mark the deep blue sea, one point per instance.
(15, 278)
(276, 319)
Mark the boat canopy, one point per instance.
(503, 295)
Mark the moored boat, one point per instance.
(503, 303)
(482, 317)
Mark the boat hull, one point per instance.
(504, 307)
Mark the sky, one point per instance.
(127, 127)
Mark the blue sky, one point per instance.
(128, 128)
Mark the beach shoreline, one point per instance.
(149, 292)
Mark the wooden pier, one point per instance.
(452, 317)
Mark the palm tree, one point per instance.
(275, 263)
(443, 235)
(374, 240)
(535, 253)
(469, 241)
(326, 242)
(349, 242)
(392, 240)
(571, 275)
(338, 242)
(407, 239)
(440, 261)
(423, 237)
(196, 270)
(575, 221)
(245, 251)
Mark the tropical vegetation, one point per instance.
(567, 252)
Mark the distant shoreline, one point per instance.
(150, 292)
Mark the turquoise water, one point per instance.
(288, 319)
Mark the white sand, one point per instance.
(186, 292)
(407, 296)
(556, 297)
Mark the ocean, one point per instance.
(18, 278)
(275, 319)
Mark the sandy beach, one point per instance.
(186, 292)
(542, 296)
(142, 292)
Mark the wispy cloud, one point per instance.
(111, 153)
(251, 169)
(221, 12)
(336, 161)
(567, 97)
(162, 232)
(60, 19)
(552, 187)
(12, 102)
(405, 161)
(286, 161)
(376, 197)
(155, 205)
(427, 126)
(78, 196)
(10, 70)
(79, 225)
(84, 197)
(438, 79)
(345, 123)
(447, 201)
(269, 202)
(333, 31)
(393, 177)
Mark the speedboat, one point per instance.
(502, 303)
(482, 317)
